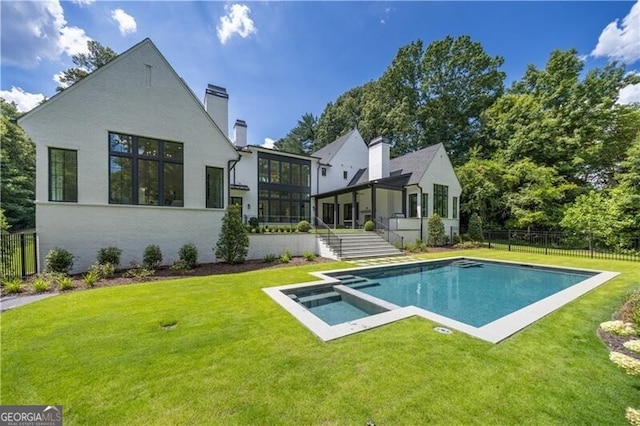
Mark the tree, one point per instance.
(18, 166)
(233, 243)
(86, 63)
(435, 227)
(301, 138)
(475, 228)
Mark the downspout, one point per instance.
(421, 211)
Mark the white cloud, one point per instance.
(629, 94)
(268, 143)
(126, 23)
(236, 21)
(24, 101)
(37, 30)
(621, 43)
(83, 2)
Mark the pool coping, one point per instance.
(493, 332)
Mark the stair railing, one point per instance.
(391, 237)
(334, 242)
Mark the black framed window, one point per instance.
(345, 174)
(145, 171)
(214, 187)
(63, 175)
(455, 207)
(441, 200)
(328, 211)
(413, 205)
(425, 205)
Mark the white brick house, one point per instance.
(129, 157)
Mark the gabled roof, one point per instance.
(82, 82)
(327, 152)
(414, 164)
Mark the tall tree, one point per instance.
(18, 166)
(301, 138)
(86, 63)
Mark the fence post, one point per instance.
(546, 242)
(23, 255)
(489, 239)
(509, 238)
(591, 244)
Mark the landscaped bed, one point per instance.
(217, 350)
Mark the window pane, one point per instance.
(120, 180)
(413, 205)
(215, 187)
(173, 151)
(295, 174)
(285, 175)
(263, 170)
(425, 205)
(147, 147)
(275, 171)
(63, 175)
(306, 175)
(263, 193)
(148, 182)
(120, 143)
(173, 185)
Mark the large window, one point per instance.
(440, 200)
(413, 205)
(425, 205)
(145, 171)
(214, 187)
(328, 213)
(284, 185)
(63, 175)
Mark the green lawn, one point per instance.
(236, 357)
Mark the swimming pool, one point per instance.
(487, 299)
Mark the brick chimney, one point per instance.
(216, 102)
(379, 157)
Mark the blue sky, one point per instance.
(279, 60)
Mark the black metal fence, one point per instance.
(18, 254)
(560, 244)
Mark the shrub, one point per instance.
(436, 235)
(629, 364)
(233, 245)
(303, 226)
(103, 270)
(475, 227)
(91, 278)
(139, 272)
(41, 284)
(468, 245)
(58, 260)
(253, 221)
(619, 328)
(409, 247)
(369, 225)
(109, 255)
(180, 266)
(152, 257)
(633, 416)
(309, 256)
(457, 239)
(65, 283)
(188, 254)
(13, 286)
(285, 257)
(269, 258)
(632, 345)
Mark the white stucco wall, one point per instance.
(261, 245)
(350, 158)
(136, 94)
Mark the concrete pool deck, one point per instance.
(493, 332)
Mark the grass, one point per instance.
(217, 350)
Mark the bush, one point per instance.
(91, 278)
(65, 283)
(269, 258)
(233, 244)
(618, 328)
(303, 226)
(629, 364)
(41, 284)
(180, 266)
(632, 345)
(309, 256)
(475, 227)
(109, 255)
(369, 225)
(285, 257)
(467, 245)
(436, 235)
(188, 254)
(58, 260)
(139, 272)
(633, 416)
(13, 286)
(152, 257)
(103, 270)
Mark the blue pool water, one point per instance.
(473, 293)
